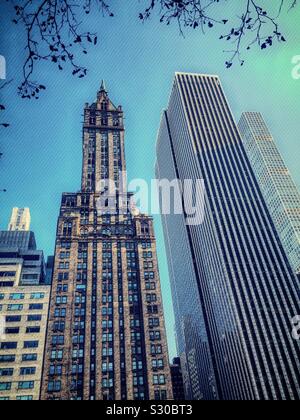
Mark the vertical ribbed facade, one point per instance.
(280, 192)
(246, 290)
(106, 332)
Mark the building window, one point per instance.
(59, 326)
(57, 355)
(159, 380)
(26, 385)
(7, 358)
(37, 296)
(17, 296)
(27, 371)
(6, 372)
(31, 344)
(156, 349)
(36, 307)
(15, 308)
(13, 319)
(58, 340)
(29, 357)
(5, 386)
(158, 364)
(8, 346)
(33, 330)
(67, 229)
(61, 300)
(8, 273)
(60, 313)
(63, 276)
(55, 370)
(34, 318)
(154, 322)
(160, 395)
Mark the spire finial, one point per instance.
(103, 86)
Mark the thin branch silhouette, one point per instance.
(3, 85)
(254, 21)
(53, 33)
(54, 29)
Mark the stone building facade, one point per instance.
(24, 304)
(106, 330)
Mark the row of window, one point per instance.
(12, 345)
(6, 386)
(24, 371)
(11, 358)
(108, 245)
(20, 307)
(18, 318)
(16, 330)
(19, 398)
(56, 386)
(22, 296)
(105, 121)
(7, 274)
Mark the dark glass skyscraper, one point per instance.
(106, 333)
(234, 290)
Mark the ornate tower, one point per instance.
(103, 143)
(106, 330)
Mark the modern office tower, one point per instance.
(19, 248)
(177, 380)
(278, 188)
(23, 319)
(18, 239)
(241, 347)
(20, 220)
(106, 331)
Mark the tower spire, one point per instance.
(103, 86)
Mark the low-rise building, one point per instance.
(24, 305)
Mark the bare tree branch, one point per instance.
(294, 4)
(54, 28)
(189, 13)
(257, 22)
(53, 33)
(254, 21)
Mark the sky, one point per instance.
(42, 148)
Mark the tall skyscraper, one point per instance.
(24, 304)
(106, 330)
(235, 334)
(20, 220)
(279, 190)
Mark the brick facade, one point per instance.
(106, 333)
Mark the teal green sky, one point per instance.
(42, 148)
